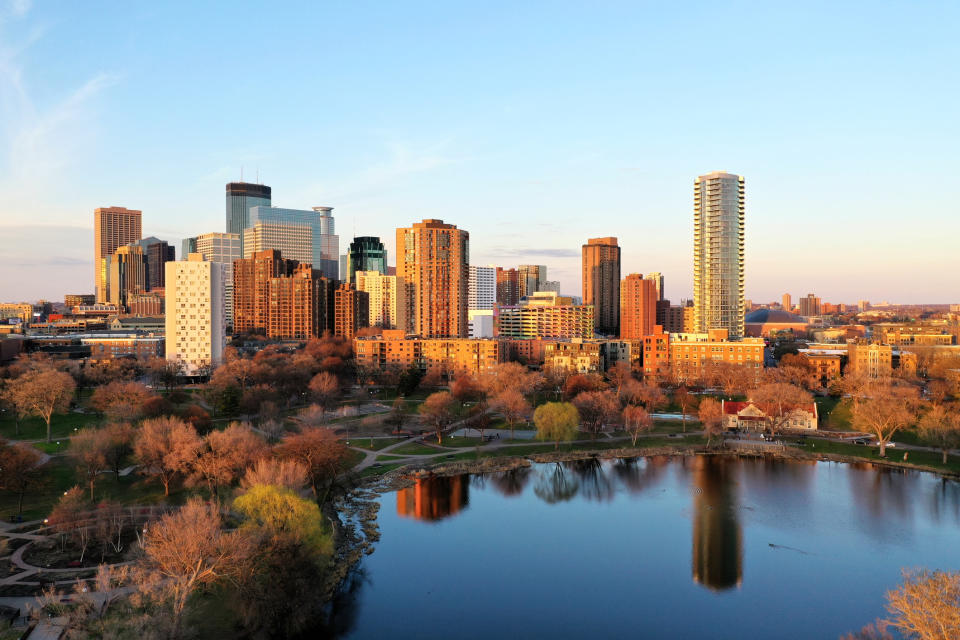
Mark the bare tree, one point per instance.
(291, 474)
(42, 393)
(927, 605)
(437, 410)
(686, 401)
(119, 445)
(618, 374)
(186, 550)
(166, 448)
(940, 427)
(885, 409)
(88, 448)
(710, 413)
(785, 397)
(121, 401)
(637, 421)
(398, 414)
(225, 455)
(596, 408)
(513, 406)
(19, 470)
(325, 389)
(466, 388)
(320, 451)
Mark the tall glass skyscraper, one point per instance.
(241, 196)
(366, 253)
(718, 300)
(323, 240)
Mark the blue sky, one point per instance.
(532, 125)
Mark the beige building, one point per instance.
(294, 241)
(126, 270)
(22, 310)
(544, 315)
(389, 299)
(223, 248)
(759, 416)
(870, 359)
(195, 324)
(691, 353)
(113, 227)
(434, 258)
(394, 351)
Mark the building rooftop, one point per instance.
(773, 316)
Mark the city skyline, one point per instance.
(865, 126)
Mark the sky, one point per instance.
(534, 126)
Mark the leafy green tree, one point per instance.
(278, 511)
(556, 421)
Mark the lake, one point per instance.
(661, 547)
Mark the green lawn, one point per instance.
(924, 458)
(374, 444)
(834, 413)
(415, 448)
(377, 471)
(53, 448)
(36, 429)
(386, 457)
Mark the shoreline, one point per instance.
(356, 510)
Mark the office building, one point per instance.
(544, 315)
(224, 249)
(75, 300)
(601, 283)
(550, 285)
(718, 209)
(297, 230)
(126, 273)
(195, 328)
(241, 197)
(657, 279)
(481, 288)
(530, 277)
(389, 299)
(481, 323)
(434, 258)
(351, 310)
(113, 227)
(148, 304)
(157, 253)
(638, 306)
(786, 302)
(366, 253)
(810, 306)
(508, 286)
(188, 246)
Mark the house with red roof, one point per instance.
(760, 416)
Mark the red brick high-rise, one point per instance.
(434, 258)
(638, 306)
(601, 283)
(352, 310)
(251, 289)
(508, 286)
(301, 304)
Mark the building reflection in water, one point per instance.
(717, 534)
(434, 498)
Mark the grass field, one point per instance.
(36, 429)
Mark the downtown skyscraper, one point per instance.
(718, 207)
(241, 196)
(113, 227)
(601, 283)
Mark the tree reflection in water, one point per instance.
(595, 484)
(640, 474)
(553, 485)
(434, 498)
(511, 483)
(717, 535)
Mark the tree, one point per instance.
(325, 388)
(509, 375)
(279, 511)
(939, 391)
(164, 373)
(320, 451)
(513, 406)
(291, 474)
(409, 380)
(579, 383)
(556, 421)
(479, 418)
(70, 518)
(121, 401)
(437, 410)
(88, 448)
(782, 395)
(186, 550)
(118, 445)
(940, 427)
(637, 421)
(618, 374)
(42, 393)
(8, 403)
(650, 396)
(466, 388)
(166, 448)
(596, 408)
(884, 410)
(398, 414)
(927, 605)
(710, 413)
(19, 470)
(227, 454)
(686, 401)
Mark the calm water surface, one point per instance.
(702, 547)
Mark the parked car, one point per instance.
(861, 441)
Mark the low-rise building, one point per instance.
(110, 346)
(396, 351)
(869, 358)
(827, 363)
(761, 416)
(901, 335)
(544, 315)
(690, 353)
